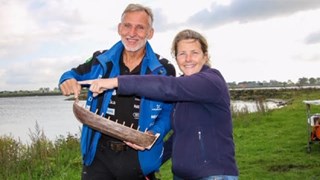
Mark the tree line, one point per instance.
(274, 83)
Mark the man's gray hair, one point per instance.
(138, 7)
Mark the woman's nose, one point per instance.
(188, 57)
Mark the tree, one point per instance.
(303, 81)
(312, 81)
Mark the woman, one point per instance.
(203, 146)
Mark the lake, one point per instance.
(19, 115)
(251, 106)
(54, 115)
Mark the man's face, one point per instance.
(135, 30)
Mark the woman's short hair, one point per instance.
(190, 34)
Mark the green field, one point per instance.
(269, 145)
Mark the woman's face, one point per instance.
(190, 57)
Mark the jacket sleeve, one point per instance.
(82, 72)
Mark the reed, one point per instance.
(41, 159)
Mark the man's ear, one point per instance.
(119, 26)
(150, 35)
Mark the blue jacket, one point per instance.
(154, 115)
(203, 138)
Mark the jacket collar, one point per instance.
(113, 55)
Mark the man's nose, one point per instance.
(132, 31)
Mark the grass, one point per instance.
(273, 145)
(42, 159)
(270, 144)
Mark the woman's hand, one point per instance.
(98, 86)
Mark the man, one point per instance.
(105, 157)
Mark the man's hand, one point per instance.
(137, 147)
(134, 146)
(70, 86)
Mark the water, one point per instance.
(19, 115)
(251, 106)
(53, 114)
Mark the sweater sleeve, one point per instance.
(201, 87)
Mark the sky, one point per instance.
(249, 40)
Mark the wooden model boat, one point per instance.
(113, 128)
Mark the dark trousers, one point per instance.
(113, 164)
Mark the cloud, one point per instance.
(161, 23)
(25, 25)
(160, 20)
(44, 72)
(313, 38)
(307, 57)
(248, 11)
(40, 39)
(16, 26)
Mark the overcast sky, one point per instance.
(249, 40)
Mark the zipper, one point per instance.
(202, 146)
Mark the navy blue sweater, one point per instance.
(203, 136)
